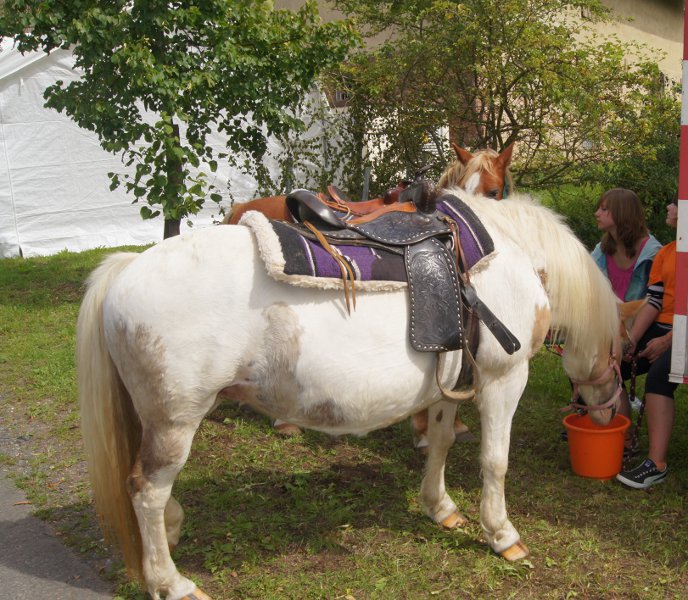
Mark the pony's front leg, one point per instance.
(497, 402)
(163, 452)
(433, 495)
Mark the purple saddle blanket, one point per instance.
(303, 256)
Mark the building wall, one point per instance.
(657, 23)
(327, 13)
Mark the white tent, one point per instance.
(54, 189)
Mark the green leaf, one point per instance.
(247, 58)
(147, 213)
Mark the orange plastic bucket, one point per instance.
(596, 451)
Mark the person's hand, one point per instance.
(656, 347)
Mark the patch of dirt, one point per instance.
(71, 518)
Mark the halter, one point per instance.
(613, 402)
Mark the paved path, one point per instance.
(34, 564)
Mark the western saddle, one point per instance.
(444, 306)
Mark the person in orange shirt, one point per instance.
(650, 337)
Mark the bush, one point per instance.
(577, 205)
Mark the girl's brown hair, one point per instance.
(629, 217)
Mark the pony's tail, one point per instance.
(110, 428)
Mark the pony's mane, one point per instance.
(584, 307)
(456, 174)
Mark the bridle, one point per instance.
(612, 370)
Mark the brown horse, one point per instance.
(275, 207)
(482, 173)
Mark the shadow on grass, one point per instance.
(371, 483)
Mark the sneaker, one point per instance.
(643, 476)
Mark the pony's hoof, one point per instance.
(287, 429)
(465, 436)
(462, 433)
(516, 552)
(454, 520)
(460, 427)
(197, 595)
(420, 442)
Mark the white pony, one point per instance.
(164, 335)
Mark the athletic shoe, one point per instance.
(643, 476)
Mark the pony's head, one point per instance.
(595, 372)
(483, 173)
(584, 310)
(603, 388)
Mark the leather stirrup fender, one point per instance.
(434, 297)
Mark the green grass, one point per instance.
(314, 517)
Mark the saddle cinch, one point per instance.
(444, 307)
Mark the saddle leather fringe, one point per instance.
(346, 269)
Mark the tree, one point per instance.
(498, 71)
(160, 75)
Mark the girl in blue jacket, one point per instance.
(627, 248)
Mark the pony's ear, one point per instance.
(464, 156)
(505, 156)
(627, 314)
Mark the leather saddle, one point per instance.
(439, 290)
(340, 201)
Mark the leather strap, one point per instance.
(467, 381)
(507, 339)
(345, 268)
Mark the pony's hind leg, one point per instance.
(419, 430)
(433, 495)
(164, 449)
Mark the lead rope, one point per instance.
(631, 396)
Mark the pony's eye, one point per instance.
(492, 193)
